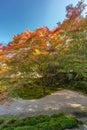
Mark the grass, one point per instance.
(42, 122)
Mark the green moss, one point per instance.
(42, 122)
(26, 128)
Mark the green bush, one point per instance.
(42, 122)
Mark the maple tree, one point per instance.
(75, 58)
(38, 57)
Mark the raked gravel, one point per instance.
(67, 101)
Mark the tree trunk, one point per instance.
(44, 90)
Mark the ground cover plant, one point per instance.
(42, 122)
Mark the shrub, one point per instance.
(42, 122)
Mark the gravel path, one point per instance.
(66, 101)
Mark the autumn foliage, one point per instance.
(42, 54)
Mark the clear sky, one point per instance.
(19, 15)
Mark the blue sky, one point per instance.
(19, 15)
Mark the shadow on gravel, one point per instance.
(80, 114)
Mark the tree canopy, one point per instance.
(43, 54)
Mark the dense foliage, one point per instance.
(41, 122)
(46, 57)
